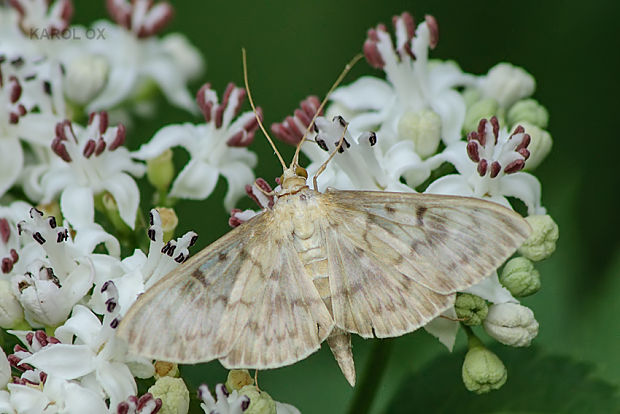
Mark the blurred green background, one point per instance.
(571, 48)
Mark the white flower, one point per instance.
(359, 164)
(226, 403)
(91, 161)
(138, 272)
(511, 324)
(215, 147)
(23, 86)
(10, 245)
(489, 165)
(42, 19)
(91, 353)
(62, 273)
(507, 84)
(55, 396)
(143, 405)
(135, 56)
(413, 83)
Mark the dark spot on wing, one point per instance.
(419, 213)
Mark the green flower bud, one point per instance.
(166, 369)
(173, 394)
(520, 277)
(160, 171)
(541, 243)
(237, 379)
(11, 312)
(530, 111)
(423, 128)
(511, 324)
(471, 309)
(169, 222)
(471, 96)
(85, 77)
(260, 401)
(484, 108)
(539, 147)
(482, 370)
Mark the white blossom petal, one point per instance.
(127, 196)
(237, 175)
(169, 136)
(116, 380)
(444, 329)
(77, 205)
(366, 93)
(490, 289)
(11, 162)
(196, 181)
(64, 360)
(5, 369)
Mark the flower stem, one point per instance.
(369, 384)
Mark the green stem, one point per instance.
(369, 384)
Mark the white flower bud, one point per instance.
(186, 56)
(511, 324)
(173, 394)
(539, 147)
(483, 371)
(520, 277)
(471, 309)
(423, 128)
(11, 312)
(507, 84)
(541, 242)
(85, 77)
(260, 401)
(484, 108)
(530, 111)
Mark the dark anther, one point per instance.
(52, 222)
(151, 234)
(38, 238)
(114, 323)
(193, 240)
(180, 258)
(321, 143)
(372, 138)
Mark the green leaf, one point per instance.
(537, 383)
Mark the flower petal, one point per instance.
(64, 360)
(444, 329)
(490, 289)
(121, 80)
(366, 93)
(116, 380)
(184, 135)
(83, 324)
(11, 162)
(127, 196)
(450, 106)
(196, 181)
(77, 206)
(526, 188)
(78, 399)
(164, 71)
(5, 369)
(238, 175)
(27, 400)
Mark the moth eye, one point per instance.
(302, 172)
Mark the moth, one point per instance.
(321, 266)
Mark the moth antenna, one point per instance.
(344, 72)
(324, 165)
(260, 123)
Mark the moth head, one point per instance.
(293, 179)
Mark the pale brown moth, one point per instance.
(321, 266)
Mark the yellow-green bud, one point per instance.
(173, 394)
(541, 243)
(520, 277)
(11, 312)
(530, 111)
(237, 379)
(482, 370)
(423, 128)
(85, 77)
(471, 96)
(169, 222)
(166, 369)
(260, 401)
(539, 147)
(470, 309)
(511, 324)
(484, 108)
(160, 170)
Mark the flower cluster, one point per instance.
(76, 250)
(403, 131)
